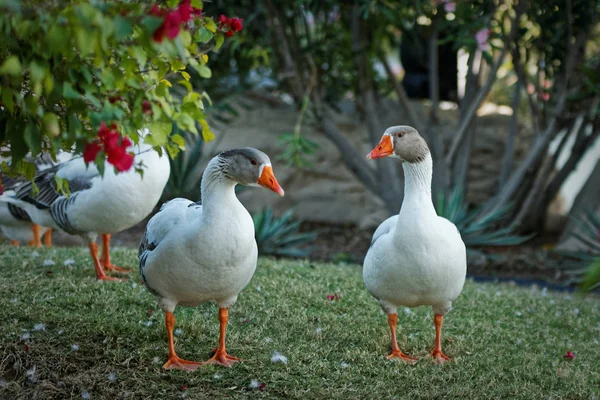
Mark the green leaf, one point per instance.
(140, 55)
(151, 24)
(160, 132)
(33, 138)
(210, 25)
(11, 66)
(203, 35)
(204, 71)
(123, 28)
(219, 40)
(37, 72)
(8, 100)
(69, 92)
(57, 38)
(197, 4)
(51, 124)
(178, 140)
(207, 134)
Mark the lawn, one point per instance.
(65, 335)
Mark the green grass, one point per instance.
(506, 341)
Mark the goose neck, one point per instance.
(216, 189)
(417, 184)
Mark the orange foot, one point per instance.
(400, 355)
(439, 357)
(179, 363)
(113, 267)
(224, 359)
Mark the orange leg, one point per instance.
(106, 256)
(100, 274)
(14, 243)
(437, 350)
(396, 353)
(174, 362)
(36, 242)
(48, 238)
(221, 357)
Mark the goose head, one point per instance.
(250, 167)
(403, 142)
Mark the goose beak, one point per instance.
(383, 149)
(267, 180)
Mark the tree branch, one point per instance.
(509, 150)
(410, 111)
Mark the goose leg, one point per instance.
(36, 242)
(105, 260)
(437, 353)
(14, 243)
(396, 353)
(174, 362)
(48, 238)
(100, 274)
(221, 357)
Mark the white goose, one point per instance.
(416, 258)
(192, 253)
(98, 204)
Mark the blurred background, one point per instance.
(506, 95)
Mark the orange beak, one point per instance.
(268, 180)
(383, 149)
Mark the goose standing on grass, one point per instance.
(416, 258)
(97, 205)
(192, 253)
(15, 223)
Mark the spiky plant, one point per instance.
(281, 236)
(477, 231)
(583, 267)
(186, 173)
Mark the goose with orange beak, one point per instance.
(192, 253)
(416, 258)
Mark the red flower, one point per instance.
(156, 11)
(184, 387)
(113, 145)
(236, 24)
(185, 10)
(146, 107)
(569, 355)
(91, 151)
(230, 25)
(173, 19)
(332, 297)
(114, 99)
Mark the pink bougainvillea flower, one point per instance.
(569, 355)
(146, 107)
(185, 10)
(332, 297)
(91, 151)
(113, 145)
(449, 6)
(544, 96)
(482, 37)
(230, 25)
(235, 24)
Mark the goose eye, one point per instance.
(253, 162)
(400, 134)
